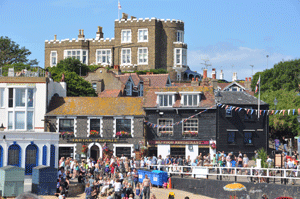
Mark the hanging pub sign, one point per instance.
(181, 142)
(100, 140)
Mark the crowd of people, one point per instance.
(117, 177)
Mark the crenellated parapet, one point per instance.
(143, 20)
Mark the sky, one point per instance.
(231, 34)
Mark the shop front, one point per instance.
(179, 148)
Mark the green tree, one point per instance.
(11, 53)
(280, 124)
(76, 85)
(284, 75)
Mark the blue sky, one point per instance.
(232, 34)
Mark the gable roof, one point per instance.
(124, 78)
(207, 96)
(239, 98)
(95, 106)
(156, 80)
(241, 85)
(110, 93)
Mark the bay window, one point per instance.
(20, 109)
(180, 36)
(180, 57)
(79, 54)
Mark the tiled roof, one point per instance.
(182, 84)
(23, 79)
(110, 93)
(157, 80)
(124, 78)
(239, 98)
(207, 98)
(95, 106)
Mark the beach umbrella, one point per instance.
(235, 187)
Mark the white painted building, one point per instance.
(23, 105)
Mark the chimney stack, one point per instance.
(250, 80)
(99, 33)
(195, 82)
(234, 77)
(81, 34)
(221, 75)
(246, 79)
(55, 37)
(146, 82)
(213, 73)
(124, 16)
(132, 17)
(204, 73)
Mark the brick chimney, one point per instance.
(81, 34)
(99, 33)
(248, 83)
(124, 16)
(213, 74)
(116, 70)
(146, 82)
(250, 80)
(55, 37)
(204, 73)
(246, 79)
(132, 17)
(195, 82)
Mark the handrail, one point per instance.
(218, 171)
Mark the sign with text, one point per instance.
(82, 140)
(195, 142)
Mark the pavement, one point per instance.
(160, 193)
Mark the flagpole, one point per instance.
(258, 97)
(118, 10)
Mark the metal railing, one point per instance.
(261, 174)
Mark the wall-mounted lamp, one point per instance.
(4, 137)
(161, 113)
(2, 127)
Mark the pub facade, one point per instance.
(89, 126)
(175, 124)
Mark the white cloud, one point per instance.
(229, 58)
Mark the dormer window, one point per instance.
(165, 99)
(190, 98)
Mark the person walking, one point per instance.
(147, 186)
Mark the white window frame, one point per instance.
(190, 93)
(125, 64)
(2, 97)
(172, 94)
(138, 55)
(128, 38)
(180, 36)
(108, 58)
(182, 57)
(126, 117)
(123, 145)
(80, 56)
(143, 31)
(89, 125)
(185, 123)
(162, 129)
(51, 57)
(75, 124)
(24, 109)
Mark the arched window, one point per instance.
(31, 159)
(45, 155)
(14, 155)
(52, 156)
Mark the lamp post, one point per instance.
(218, 98)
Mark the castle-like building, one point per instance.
(139, 44)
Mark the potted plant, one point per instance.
(94, 133)
(84, 150)
(123, 134)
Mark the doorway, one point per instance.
(95, 152)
